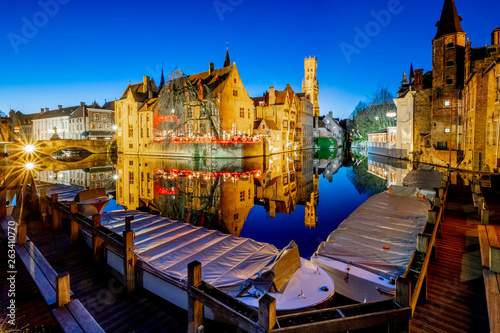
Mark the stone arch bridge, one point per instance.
(49, 147)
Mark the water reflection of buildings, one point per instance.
(329, 167)
(218, 193)
(90, 178)
(391, 170)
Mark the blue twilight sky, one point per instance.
(66, 51)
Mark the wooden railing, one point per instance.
(416, 274)
(395, 314)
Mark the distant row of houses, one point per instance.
(450, 115)
(80, 122)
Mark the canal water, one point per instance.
(296, 196)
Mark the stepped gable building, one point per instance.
(127, 116)
(450, 115)
(215, 108)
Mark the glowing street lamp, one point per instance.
(29, 148)
(29, 166)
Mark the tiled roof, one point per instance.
(109, 105)
(215, 81)
(140, 92)
(149, 105)
(257, 100)
(58, 112)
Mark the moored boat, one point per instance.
(374, 245)
(241, 267)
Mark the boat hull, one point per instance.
(360, 285)
(92, 207)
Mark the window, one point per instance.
(233, 129)
(203, 128)
(242, 112)
(96, 116)
(450, 44)
(130, 162)
(235, 92)
(101, 126)
(242, 196)
(447, 130)
(449, 81)
(234, 80)
(393, 137)
(130, 131)
(235, 216)
(131, 177)
(104, 117)
(190, 114)
(248, 113)
(142, 132)
(130, 111)
(249, 192)
(147, 133)
(447, 103)
(442, 145)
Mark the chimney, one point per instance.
(46, 109)
(330, 114)
(495, 36)
(59, 107)
(146, 81)
(419, 79)
(42, 110)
(272, 96)
(82, 103)
(210, 68)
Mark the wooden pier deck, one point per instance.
(97, 289)
(455, 287)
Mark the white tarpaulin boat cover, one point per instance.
(380, 236)
(423, 178)
(227, 261)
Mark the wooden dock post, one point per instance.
(485, 214)
(74, 226)
(3, 202)
(44, 208)
(56, 214)
(21, 232)
(431, 216)
(97, 243)
(422, 243)
(495, 259)
(480, 203)
(195, 307)
(62, 289)
(129, 257)
(267, 312)
(403, 291)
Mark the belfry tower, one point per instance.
(310, 85)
